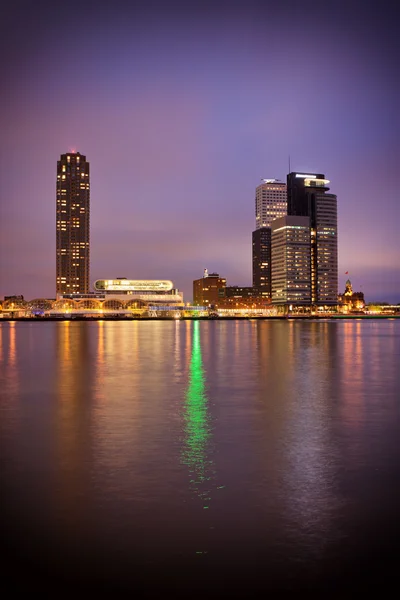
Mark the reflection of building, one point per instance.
(209, 290)
(308, 197)
(351, 300)
(291, 260)
(270, 204)
(72, 224)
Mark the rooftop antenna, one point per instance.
(289, 164)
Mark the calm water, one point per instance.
(201, 456)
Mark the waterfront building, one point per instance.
(242, 297)
(154, 291)
(72, 224)
(351, 301)
(291, 261)
(209, 290)
(128, 293)
(15, 299)
(307, 197)
(270, 204)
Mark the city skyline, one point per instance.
(180, 131)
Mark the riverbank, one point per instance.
(223, 318)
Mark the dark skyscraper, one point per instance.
(73, 217)
(262, 261)
(308, 197)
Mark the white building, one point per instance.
(271, 202)
(291, 261)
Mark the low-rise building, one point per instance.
(209, 290)
(351, 301)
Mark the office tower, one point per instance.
(307, 196)
(261, 239)
(291, 261)
(270, 204)
(72, 217)
(208, 290)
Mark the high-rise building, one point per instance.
(270, 204)
(308, 197)
(291, 261)
(261, 239)
(72, 222)
(208, 290)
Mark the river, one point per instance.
(200, 456)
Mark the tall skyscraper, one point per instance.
(307, 196)
(291, 261)
(261, 239)
(72, 223)
(270, 204)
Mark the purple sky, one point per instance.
(181, 111)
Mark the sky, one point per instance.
(181, 109)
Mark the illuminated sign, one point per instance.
(306, 176)
(133, 285)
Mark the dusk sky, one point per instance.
(181, 109)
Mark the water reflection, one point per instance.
(12, 360)
(311, 497)
(9, 376)
(100, 364)
(197, 424)
(104, 424)
(74, 379)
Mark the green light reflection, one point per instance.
(197, 424)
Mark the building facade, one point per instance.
(242, 297)
(270, 204)
(209, 290)
(351, 301)
(147, 291)
(72, 224)
(123, 293)
(291, 261)
(307, 197)
(261, 248)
